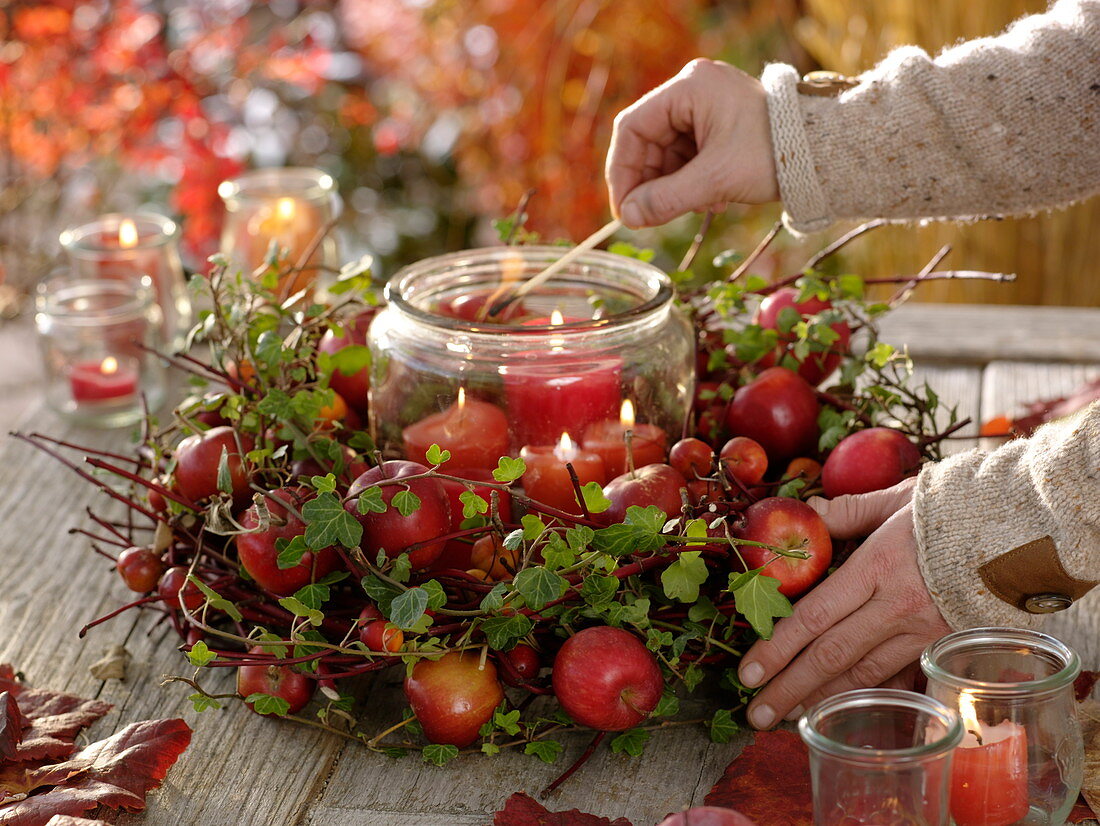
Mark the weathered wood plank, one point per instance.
(959, 386)
(972, 333)
(1007, 386)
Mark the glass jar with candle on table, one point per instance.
(290, 208)
(1021, 758)
(127, 247)
(549, 377)
(98, 339)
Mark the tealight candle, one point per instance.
(474, 431)
(989, 775)
(103, 380)
(622, 442)
(547, 478)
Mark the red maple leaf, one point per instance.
(11, 726)
(52, 721)
(8, 681)
(522, 810)
(769, 782)
(115, 772)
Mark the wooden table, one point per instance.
(241, 769)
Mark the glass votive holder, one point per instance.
(291, 207)
(1021, 759)
(596, 356)
(126, 247)
(97, 338)
(880, 757)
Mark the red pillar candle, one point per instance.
(559, 391)
(474, 431)
(547, 479)
(102, 381)
(989, 779)
(648, 443)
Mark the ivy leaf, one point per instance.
(723, 726)
(557, 554)
(681, 579)
(509, 470)
(757, 598)
(215, 600)
(667, 706)
(630, 742)
(290, 551)
(351, 358)
(201, 702)
(508, 723)
(594, 499)
(371, 501)
(269, 347)
(381, 592)
(300, 609)
(266, 704)
(324, 484)
(436, 455)
(598, 590)
(490, 749)
(406, 502)
(494, 600)
(532, 527)
(539, 586)
(513, 539)
(225, 478)
(200, 655)
(328, 523)
(437, 598)
(791, 489)
(439, 754)
(502, 632)
(579, 538)
(407, 609)
(880, 354)
(546, 750)
(277, 405)
(313, 595)
(472, 504)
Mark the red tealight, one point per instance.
(102, 381)
(474, 431)
(471, 307)
(547, 478)
(648, 443)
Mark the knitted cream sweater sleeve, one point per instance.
(976, 506)
(1000, 125)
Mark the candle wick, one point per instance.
(628, 437)
(977, 736)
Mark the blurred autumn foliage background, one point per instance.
(434, 116)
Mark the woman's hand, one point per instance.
(698, 141)
(863, 626)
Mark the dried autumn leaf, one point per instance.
(1089, 713)
(1084, 684)
(55, 720)
(522, 810)
(11, 726)
(68, 820)
(1080, 812)
(116, 772)
(769, 781)
(8, 681)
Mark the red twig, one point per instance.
(585, 755)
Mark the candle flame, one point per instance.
(969, 714)
(127, 234)
(461, 398)
(109, 365)
(626, 416)
(284, 208)
(566, 450)
(556, 318)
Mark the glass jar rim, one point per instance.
(881, 697)
(84, 238)
(1071, 663)
(310, 183)
(135, 296)
(404, 280)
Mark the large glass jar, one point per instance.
(291, 208)
(557, 369)
(880, 757)
(1021, 759)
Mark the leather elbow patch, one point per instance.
(1033, 579)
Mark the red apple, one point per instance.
(818, 364)
(490, 555)
(792, 525)
(650, 485)
(174, 588)
(707, 816)
(692, 458)
(710, 424)
(391, 530)
(453, 696)
(744, 459)
(275, 680)
(871, 459)
(520, 665)
(779, 410)
(258, 554)
(355, 387)
(605, 678)
(803, 468)
(198, 458)
(140, 568)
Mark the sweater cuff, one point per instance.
(805, 207)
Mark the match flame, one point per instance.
(511, 268)
(566, 450)
(556, 319)
(626, 416)
(108, 366)
(284, 209)
(969, 714)
(127, 234)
